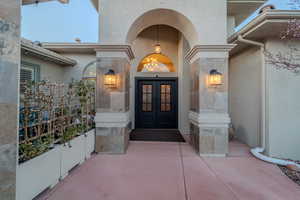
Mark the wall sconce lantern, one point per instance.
(110, 79)
(215, 78)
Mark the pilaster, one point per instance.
(113, 121)
(209, 118)
(9, 84)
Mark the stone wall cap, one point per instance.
(212, 119)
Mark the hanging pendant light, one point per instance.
(152, 64)
(157, 48)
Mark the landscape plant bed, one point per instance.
(51, 114)
(293, 175)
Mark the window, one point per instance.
(156, 63)
(89, 72)
(29, 72)
(165, 98)
(147, 98)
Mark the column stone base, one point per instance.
(209, 132)
(112, 133)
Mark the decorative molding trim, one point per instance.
(109, 120)
(211, 120)
(208, 48)
(89, 48)
(116, 48)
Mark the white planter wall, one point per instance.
(72, 155)
(89, 143)
(38, 174)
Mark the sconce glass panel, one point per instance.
(215, 78)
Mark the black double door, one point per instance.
(156, 103)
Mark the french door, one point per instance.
(156, 103)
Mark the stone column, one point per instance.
(9, 83)
(209, 118)
(113, 123)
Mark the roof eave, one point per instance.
(28, 2)
(89, 48)
(269, 16)
(259, 28)
(242, 9)
(38, 51)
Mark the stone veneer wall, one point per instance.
(114, 99)
(113, 140)
(9, 82)
(213, 99)
(194, 87)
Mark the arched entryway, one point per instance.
(169, 67)
(176, 33)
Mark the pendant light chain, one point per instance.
(157, 36)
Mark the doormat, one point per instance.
(156, 135)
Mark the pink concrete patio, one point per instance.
(172, 171)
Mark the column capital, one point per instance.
(110, 119)
(114, 50)
(209, 51)
(210, 119)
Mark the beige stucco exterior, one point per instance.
(76, 72)
(48, 70)
(263, 99)
(196, 21)
(244, 59)
(192, 35)
(283, 107)
(245, 95)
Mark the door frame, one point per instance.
(137, 79)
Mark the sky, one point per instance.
(56, 22)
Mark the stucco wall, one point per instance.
(57, 73)
(283, 91)
(184, 86)
(230, 25)
(245, 95)
(48, 70)
(206, 18)
(75, 72)
(144, 45)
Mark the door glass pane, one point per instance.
(168, 107)
(165, 98)
(149, 107)
(163, 107)
(147, 98)
(144, 107)
(168, 89)
(168, 98)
